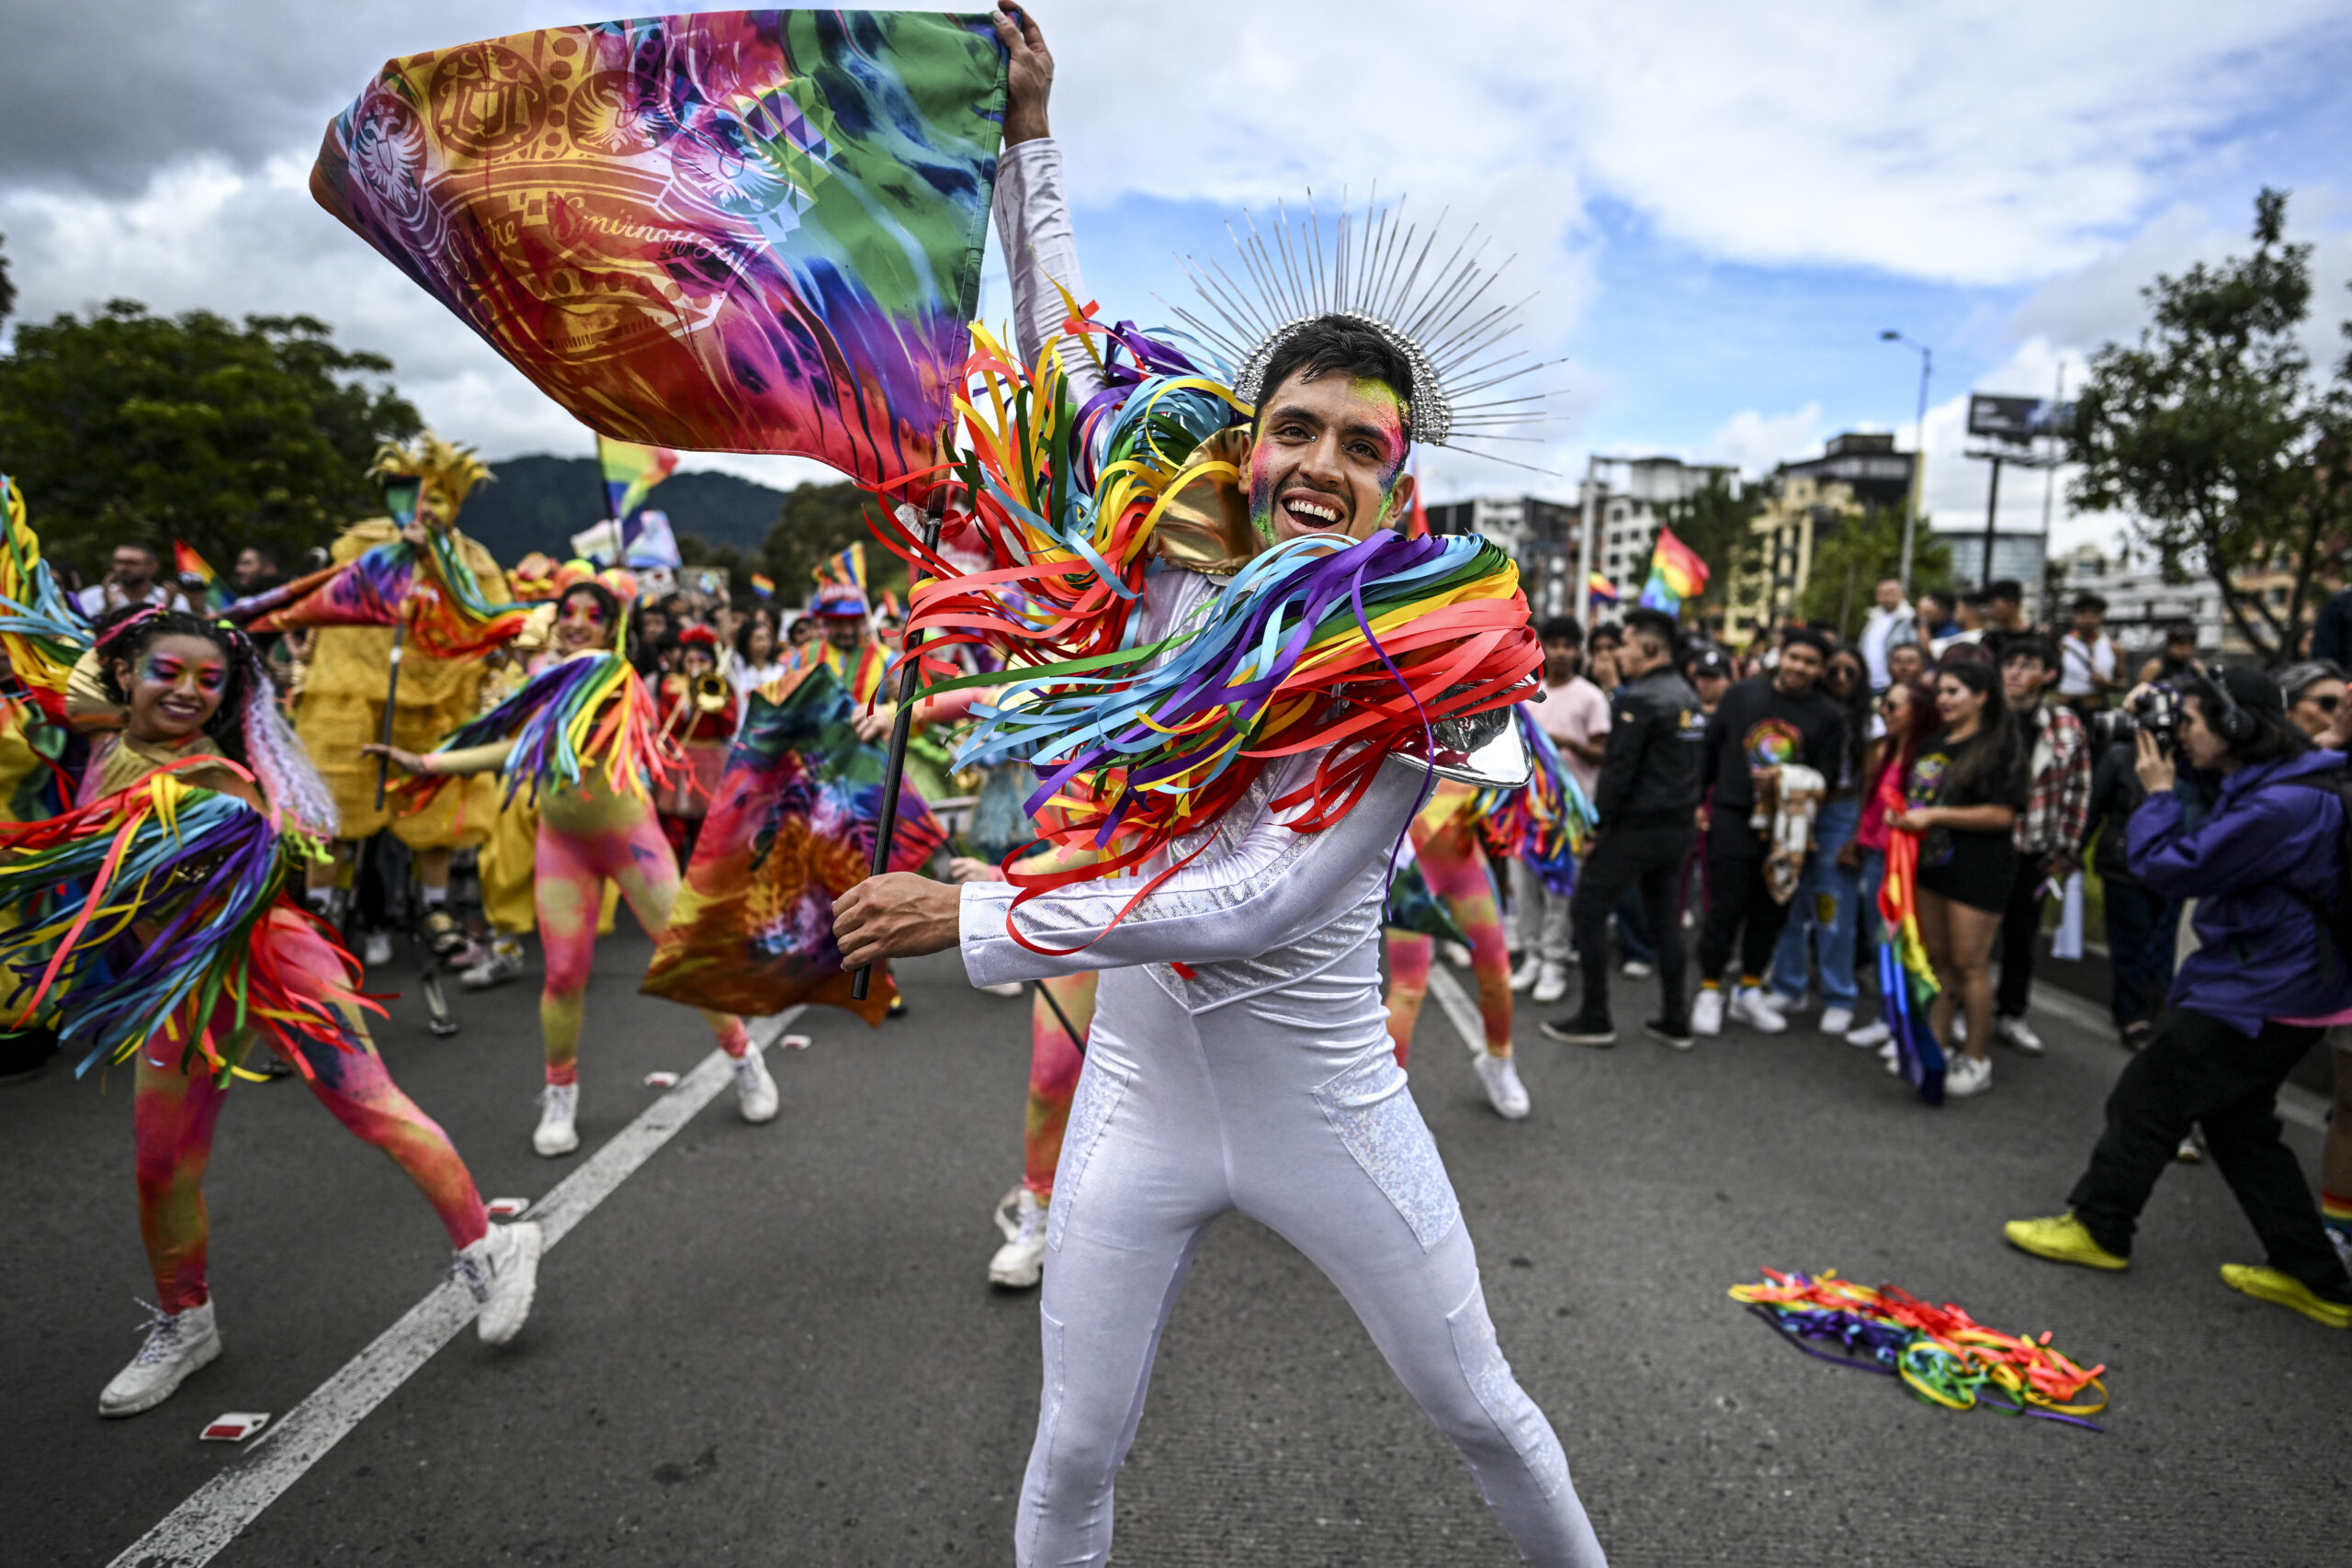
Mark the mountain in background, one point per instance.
(538, 502)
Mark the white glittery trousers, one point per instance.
(1260, 1081)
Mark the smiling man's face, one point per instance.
(1329, 458)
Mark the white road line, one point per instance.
(2296, 1103)
(214, 1514)
(1459, 1010)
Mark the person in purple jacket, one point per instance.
(2243, 1009)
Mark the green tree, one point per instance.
(1854, 554)
(2213, 434)
(129, 425)
(821, 520)
(1713, 521)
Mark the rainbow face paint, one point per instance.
(1327, 458)
(176, 688)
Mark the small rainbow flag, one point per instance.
(1601, 591)
(195, 575)
(845, 569)
(1675, 573)
(764, 585)
(630, 473)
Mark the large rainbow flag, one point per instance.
(733, 231)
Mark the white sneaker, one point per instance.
(1019, 1263)
(755, 1094)
(1525, 975)
(1635, 969)
(501, 1271)
(1005, 988)
(1748, 1007)
(1870, 1035)
(177, 1344)
(1707, 1012)
(503, 963)
(2018, 1035)
(1504, 1091)
(1455, 953)
(1967, 1076)
(1837, 1021)
(1550, 985)
(1892, 1057)
(1781, 1004)
(559, 1108)
(376, 950)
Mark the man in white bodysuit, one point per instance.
(1239, 1058)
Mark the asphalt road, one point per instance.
(777, 1345)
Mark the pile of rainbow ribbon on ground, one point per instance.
(1942, 1355)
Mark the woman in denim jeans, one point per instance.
(1828, 898)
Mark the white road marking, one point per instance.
(2296, 1103)
(217, 1511)
(1459, 1010)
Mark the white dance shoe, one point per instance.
(501, 1271)
(1019, 1263)
(1504, 1091)
(177, 1344)
(558, 1109)
(755, 1093)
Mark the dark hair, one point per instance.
(1330, 343)
(269, 553)
(1805, 637)
(743, 632)
(1857, 704)
(608, 605)
(1942, 598)
(2180, 631)
(125, 634)
(1925, 720)
(1998, 753)
(2007, 588)
(1559, 628)
(1652, 625)
(2030, 645)
(2089, 602)
(1609, 630)
(1965, 653)
(2273, 738)
(141, 545)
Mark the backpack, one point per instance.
(2333, 914)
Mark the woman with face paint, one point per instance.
(219, 960)
(583, 739)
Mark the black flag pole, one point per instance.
(886, 827)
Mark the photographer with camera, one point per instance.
(2141, 922)
(2265, 864)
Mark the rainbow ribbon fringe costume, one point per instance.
(1221, 723)
(582, 741)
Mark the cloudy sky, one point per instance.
(1718, 206)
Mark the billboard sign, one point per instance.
(2019, 420)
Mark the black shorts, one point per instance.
(1977, 872)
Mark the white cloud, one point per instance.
(1755, 441)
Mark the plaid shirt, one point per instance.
(2058, 801)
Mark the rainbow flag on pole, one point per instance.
(202, 584)
(764, 585)
(1675, 573)
(631, 470)
(1599, 589)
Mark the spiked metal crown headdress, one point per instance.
(1378, 270)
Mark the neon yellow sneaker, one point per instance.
(2062, 1240)
(2270, 1285)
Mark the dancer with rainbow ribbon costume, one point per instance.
(1234, 678)
(582, 740)
(157, 924)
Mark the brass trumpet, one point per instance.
(712, 693)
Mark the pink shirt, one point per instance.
(1576, 712)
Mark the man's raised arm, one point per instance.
(1032, 213)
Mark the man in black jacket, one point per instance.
(1760, 725)
(1644, 798)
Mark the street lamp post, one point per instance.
(1919, 447)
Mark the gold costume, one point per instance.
(342, 709)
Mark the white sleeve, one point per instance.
(1272, 887)
(1040, 249)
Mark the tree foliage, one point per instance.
(817, 520)
(129, 425)
(1855, 554)
(1714, 522)
(2215, 437)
